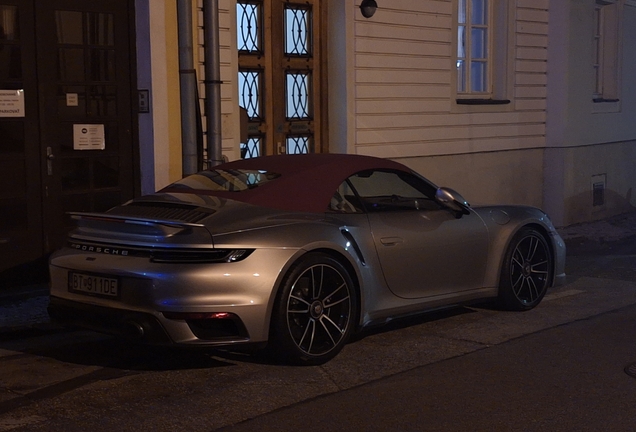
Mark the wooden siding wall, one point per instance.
(404, 83)
(229, 73)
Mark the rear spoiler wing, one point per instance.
(79, 216)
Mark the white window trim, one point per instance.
(598, 51)
(607, 81)
(468, 59)
(501, 58)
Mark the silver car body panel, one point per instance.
(396, 275)
(412, 269)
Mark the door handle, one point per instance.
(49, 160)
(391, 241)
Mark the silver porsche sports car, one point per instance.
(295, 253)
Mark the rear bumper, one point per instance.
(139, 326)
(165, 303)
(145, 327)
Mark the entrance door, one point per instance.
(20, 181)
(75, 137)
(281, 75)
(84, 76)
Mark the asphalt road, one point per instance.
(558, 367)
(568, 378)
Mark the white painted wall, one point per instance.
(230, 125)
(341, 71)
(585, 139)
(160, 101)
(392, 94)
(404, 83)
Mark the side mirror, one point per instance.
(453, 201)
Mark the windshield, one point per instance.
(225, 180)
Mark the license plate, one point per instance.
(93, 284)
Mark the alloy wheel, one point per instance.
(530, 268)
(319, 309)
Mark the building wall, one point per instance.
(158, 66)
(588, 142)
(392, 95)
(489, 177)
(394, 83)
(391, 81)
(404, 79)
(611, 163)
(166, 106)
(158, 71)
(230, 126)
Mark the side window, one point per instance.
(474, 59)
(484, 66)
(606, 63)
(393, 191)
(345, 200)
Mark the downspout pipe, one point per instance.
(187, 83)
(212, 82)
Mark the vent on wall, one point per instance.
(598, 190)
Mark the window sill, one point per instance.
(605, 106)
(482, 101)
(601, 100)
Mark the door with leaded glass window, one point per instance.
(280, 76)
(84, 82)
(20, 176)
(66, 118)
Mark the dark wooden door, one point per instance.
(20, 181)
(85, 108)
(281, 76)
(73, 149)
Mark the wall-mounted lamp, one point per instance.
(368, 7)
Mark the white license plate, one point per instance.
(93, 284)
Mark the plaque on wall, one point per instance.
(88, 137)
(11, 103)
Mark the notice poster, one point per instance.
(11, 103)
(88, 137)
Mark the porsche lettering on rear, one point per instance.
(99, 249)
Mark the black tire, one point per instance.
(315, 311)
(527, 269)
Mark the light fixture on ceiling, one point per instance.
(368, 7)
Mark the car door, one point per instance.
(423, 248)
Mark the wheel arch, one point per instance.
(301, 254)
(353, 274)
(549, 239)
(546, 235)
(282, 344)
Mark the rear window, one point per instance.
(225, 180)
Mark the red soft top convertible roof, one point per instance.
(306, 183)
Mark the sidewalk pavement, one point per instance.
(24, 307)
(615, 228)
(607, 236)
